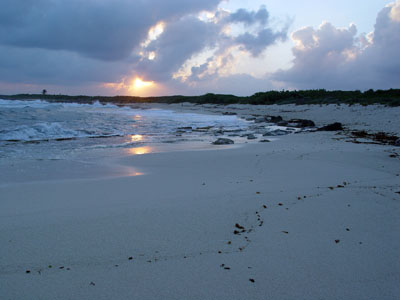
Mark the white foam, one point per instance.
(38, 132)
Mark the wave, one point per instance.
(42, 103)
(48, 131)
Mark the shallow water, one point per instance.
(43, 130)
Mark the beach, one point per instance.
(313, 215)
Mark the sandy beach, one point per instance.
(308, 216)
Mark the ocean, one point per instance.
(43, 130)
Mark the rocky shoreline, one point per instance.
(288, 122)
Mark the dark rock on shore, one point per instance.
(202, 129)
(251, 137)
(185, 128)
(397, 143)
(331, 127)
(229, 113)
(223, 141)
(274, 119)
(301, 123)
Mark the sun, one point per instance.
(134, 86)
(138, 84)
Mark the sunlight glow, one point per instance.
(136, 138)
(152, 55)
(395, 12)
(140, 150)
(138, 84)
(135, 86)
(153, 33)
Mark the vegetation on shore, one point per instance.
(386, 97)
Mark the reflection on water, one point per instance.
(140, 150)
(134, 173)
(136, 138)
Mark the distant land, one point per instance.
(389, 97)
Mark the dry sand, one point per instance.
(320, 218)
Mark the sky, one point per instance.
(181, 47)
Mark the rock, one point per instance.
(185, 128)
(276, 132)
(251, 137)
(282, 123)
(274, 119)
(301, 123)
(265, 141)
(239, 226)
(223, 141)
(229, 113)
(202, 129)
(397, 143)
(332, 127)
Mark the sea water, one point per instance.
(38, 129)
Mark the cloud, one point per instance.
(256, 44)
(40, 66)
(335, 58)
(226, 47)
(250, 17)
(66, 43)
(395, 12)
(236, 84)
(176, 45)
(102, 29)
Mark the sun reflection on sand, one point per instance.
(140, 150)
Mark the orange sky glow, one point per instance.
(135, 86)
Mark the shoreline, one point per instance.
(316, 217)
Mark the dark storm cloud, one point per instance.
(335, 58)
(102, 29)
(179, 41)
(70, 42)
(19, 65)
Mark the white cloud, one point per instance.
(335, 58)
(395, 12)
